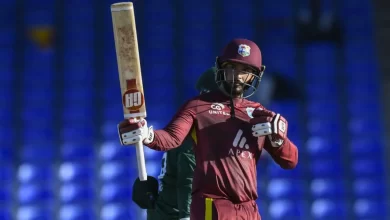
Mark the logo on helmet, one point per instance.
(244, 50)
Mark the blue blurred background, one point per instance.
(60, 102)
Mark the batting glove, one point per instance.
(132, 131)
(267, 123)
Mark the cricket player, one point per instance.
(173, 199)
(229, 132)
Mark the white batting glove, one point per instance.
(132, 131)
(267, 123)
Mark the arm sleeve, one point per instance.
(175, 132)
(286, 155)
(185, 172)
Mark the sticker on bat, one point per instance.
(133, 99)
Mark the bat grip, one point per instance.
(141, 161)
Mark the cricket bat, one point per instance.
(129, 67)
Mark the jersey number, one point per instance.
(163, 166)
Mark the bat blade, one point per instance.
(127, 53)
(129, 68)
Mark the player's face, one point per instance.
(236, 76)
(236, 72)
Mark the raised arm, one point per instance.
(176, 131)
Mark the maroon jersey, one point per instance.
(226, 151)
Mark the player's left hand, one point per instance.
(271, 124)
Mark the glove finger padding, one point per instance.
(262, 122)
(132, 137)
(262, 129)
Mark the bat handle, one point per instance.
(141, 161)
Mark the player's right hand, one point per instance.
(132, 131)
(271, 124)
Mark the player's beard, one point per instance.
(235, 89)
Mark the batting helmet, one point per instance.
(245, 52)
(242, 51)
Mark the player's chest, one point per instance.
(228, 136)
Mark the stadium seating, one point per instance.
(29, 212)
(77, 193)
(114, 211)
(82, 172)
(77, 212)
(286, 208)
(328, 209)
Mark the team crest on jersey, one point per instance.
(249, 111)
(244, 50)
